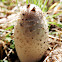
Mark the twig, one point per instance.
(50, 36)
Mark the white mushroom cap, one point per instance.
(31, 34)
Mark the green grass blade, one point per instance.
(41, 3)
(59, 25)
(27, 1)
(9, 27)
(3, 0)
(52, 6)
(54, 23)
(45, 4)
(16, 2)
(35, 2)
(50, 2)
(55, 15)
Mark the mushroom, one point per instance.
(31, 34)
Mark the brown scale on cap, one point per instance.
(30, 32)
(23, 14)
(28, 5)
(33, 9)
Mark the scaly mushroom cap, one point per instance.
(31, 34)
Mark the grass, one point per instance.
(9, 27)
(41, 3)
(44, 7)
(3, 1)
(54, 15)
(54, 23)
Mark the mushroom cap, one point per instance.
(31, 34)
